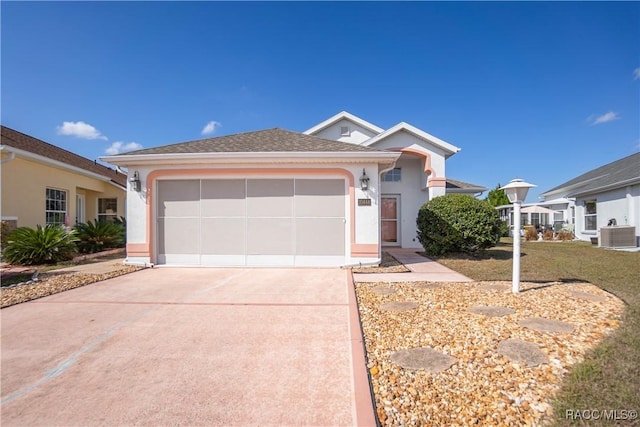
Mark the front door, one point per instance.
(390, 222)
(79, 208)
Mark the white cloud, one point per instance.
(211, 127)
(122, 147)
(80, 130)
(636, 74)
(606, 117)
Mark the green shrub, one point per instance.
(458, 223)
(96, 236)
(44, 245)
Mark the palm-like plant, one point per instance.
(44, 245)
(96, 236)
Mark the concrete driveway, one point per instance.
(189, 346)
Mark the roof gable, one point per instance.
(619, 173)
(264, 141)
(449, 149)
(343, 115)
(21, 141)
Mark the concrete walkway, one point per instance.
(422, 270)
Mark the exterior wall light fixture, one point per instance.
(364, 181)
(134, 182)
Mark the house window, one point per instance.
(590, 215)
(56, 207)
(107, 209)
(394, 175)
(344, 131)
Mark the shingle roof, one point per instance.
(21, 141)
(461, 185)
(621, 172)
(270, 140)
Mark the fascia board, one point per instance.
(257, 157)
(419, 133)
(57, 164)
(343, 115)
(568, 188)
(606, 187)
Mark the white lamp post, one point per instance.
(516, 191)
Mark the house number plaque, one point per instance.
(364, 202)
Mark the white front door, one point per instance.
(79, 208)
(390, 220)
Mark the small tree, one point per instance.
(457, 223)
(497, 197)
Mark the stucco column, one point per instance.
(437, 187)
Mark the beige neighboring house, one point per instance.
(44, 184)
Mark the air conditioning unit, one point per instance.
(621, 236)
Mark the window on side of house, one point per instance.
(590, 215)
(394, 175)
(55, 207)
(107, 209)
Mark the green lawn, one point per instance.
(609, 378)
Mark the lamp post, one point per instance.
(516, 191)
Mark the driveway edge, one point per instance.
(364, 407)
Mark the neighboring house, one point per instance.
(608, 194)
(331, 196)
(44, 184)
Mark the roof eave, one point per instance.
(60, 165)
(252, 157)
(614, 186)
(342, 116)
(448, 148)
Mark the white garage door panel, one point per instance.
(319, 198)
(223, 198)
(260, 222)
(178, 240)
(319, 236)
(270, 198)
(179, 198)
(223, 236)
(270, 236)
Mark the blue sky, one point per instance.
(539, 90)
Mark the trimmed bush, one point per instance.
(458, 223)
(96, 236)
(44, 245)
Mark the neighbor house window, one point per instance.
(56, 207)
(107, 209)
(394, 175)
(590, 215)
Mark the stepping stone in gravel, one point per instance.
(522, 351)
(425, 358)
(491, 310)
(494, 287)
(429, 286)
(383, 290)
(587, 296)
(399, 306)
(546, 325)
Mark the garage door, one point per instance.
(257, 222)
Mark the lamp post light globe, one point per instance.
(516, 191)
